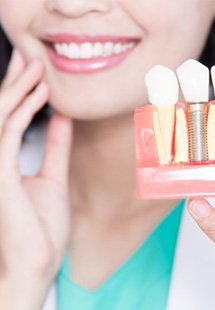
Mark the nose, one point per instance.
(78, 8)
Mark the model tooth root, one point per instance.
(159, 140)
(166, 116)
(181, 137)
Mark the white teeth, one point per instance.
(213, 77)
(58, 48)
(117, 48)
(194, 80)
(73, 51)
(108, 49)
(88, 50)
(124, 47)
(162, 86)
(98, 49)
(65, 49)
(131, 44)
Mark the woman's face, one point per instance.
(168, 32)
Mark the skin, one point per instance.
(102, 200)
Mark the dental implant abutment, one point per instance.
(194, 81)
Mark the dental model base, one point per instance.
(175, 141)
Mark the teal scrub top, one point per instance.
(140, 283)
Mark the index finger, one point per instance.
(58, 148)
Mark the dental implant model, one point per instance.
(194, 81)
(163, 91)
(175, 139)
(211, 124)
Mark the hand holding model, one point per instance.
(34, 210)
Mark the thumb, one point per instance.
(204, 214)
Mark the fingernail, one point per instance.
(199, 208)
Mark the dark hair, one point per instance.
(208, 54)
(207, 58)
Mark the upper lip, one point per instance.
(79, 39)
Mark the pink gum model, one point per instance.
(172, 181)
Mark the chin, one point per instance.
(85, 111)
(80, 110)
(84, 101)
(87, 108)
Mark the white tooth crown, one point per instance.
(91, 50)
(86, 51)
(73, 50)
(194, 80)
(162, 86)
(108, 49)
(213, 76)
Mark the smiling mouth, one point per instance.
(90, 51)
(89, 47)
(85, 54)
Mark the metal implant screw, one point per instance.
(197, 131)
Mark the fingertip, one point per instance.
(198, 207)
(35, 66)
(62, 118)
(60, 125)
(43, 87)
(17, 57)
(58, 145)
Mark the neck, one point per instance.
(102, 170)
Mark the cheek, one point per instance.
(175, 30)
(153, 15)
(16, 16)
(156, 15)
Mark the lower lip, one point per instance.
(79, 66)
